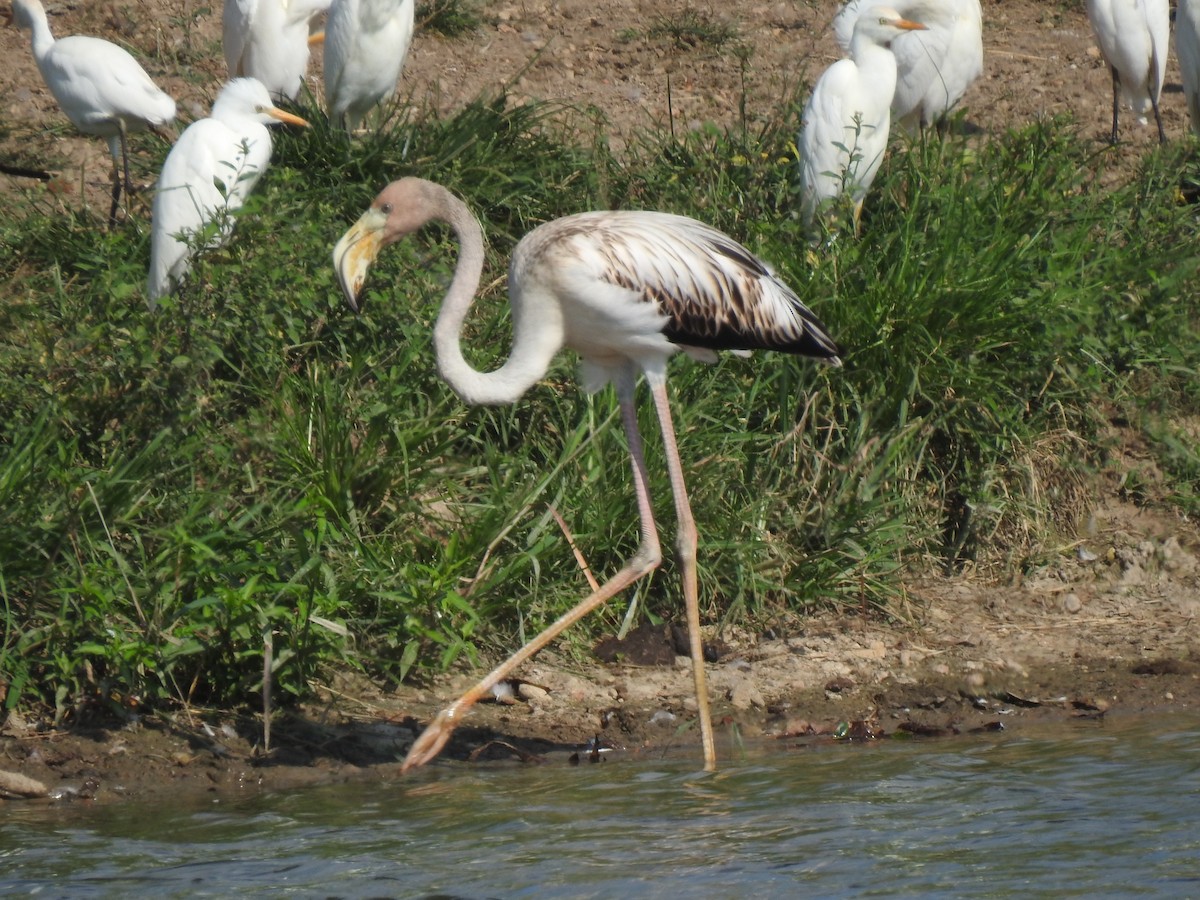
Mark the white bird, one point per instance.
(1187, 49)
(207, 177)
(269, 40)
(624, 290)
(934, 68)
(844, 130)
(99, 86)
(1133, 37)
(366, 43)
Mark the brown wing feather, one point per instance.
(716, 293)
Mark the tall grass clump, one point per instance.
(255, 475)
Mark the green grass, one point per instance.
(257, 465)
(452, 18)
(692, 28)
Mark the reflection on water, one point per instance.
(1098, 810)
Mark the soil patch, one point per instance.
(1107, 627)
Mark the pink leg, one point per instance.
(687, 543)
(647, 558)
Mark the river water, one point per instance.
(1092, 809)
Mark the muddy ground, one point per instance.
(1107, 627)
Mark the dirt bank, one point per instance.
(1107, 627)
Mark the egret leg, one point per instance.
(1162, 135)
(1116, 80)
(687, 544)
(121, 143)
(646, 560)
(116, 192)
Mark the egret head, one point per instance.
(24, 13)
(248, 97)
(882, 24)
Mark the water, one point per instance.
(1092, 810)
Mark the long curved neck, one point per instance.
(875, 63)
(535, 339)
(43, 39)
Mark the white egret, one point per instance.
(366, 43)
(206, 178)
(625, 290)
(844, 130)
(269, 40)
(1133, 37)
(935, 67)
(1187, 50)
(100, 86)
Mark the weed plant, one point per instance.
(257, 466)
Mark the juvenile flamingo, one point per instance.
(625, 290)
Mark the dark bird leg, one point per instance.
(1162, 135)
(116, 194)
(1154, 91)
(1116, 81)
(120, 142)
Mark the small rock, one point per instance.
(1174, 558)
(744, 695)
(529, 692)
(663, 718)
(1071, 603)
(877, 650)
(14, 784)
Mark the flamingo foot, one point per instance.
(432, 739)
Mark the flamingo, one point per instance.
(99, 86)
(269, 40)
(366, 43)
(844, 130)
(207, 177)
(933, 68)
(1133, 37)
(1187, 49)
(624, 290)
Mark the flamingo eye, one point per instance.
(386, 209)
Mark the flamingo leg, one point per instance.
(645, 560)
(688, 540)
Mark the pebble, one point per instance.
(744, 695)
(1071, 603)
(530, 692)
(663, 718)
